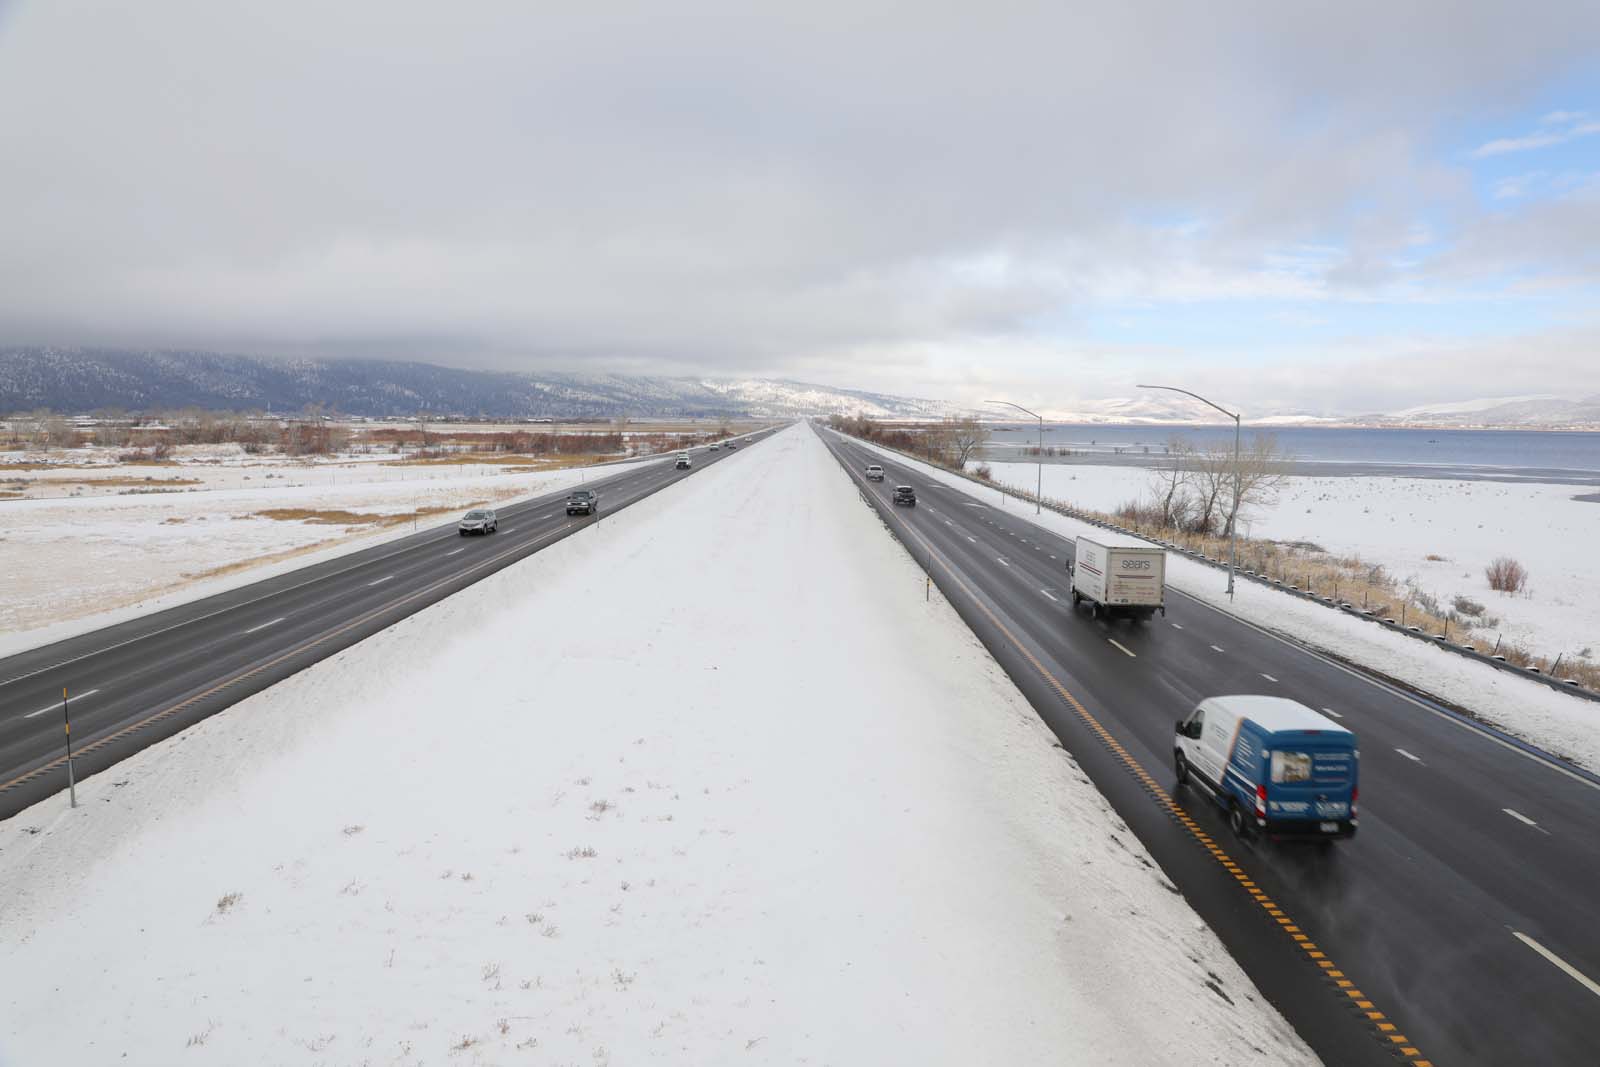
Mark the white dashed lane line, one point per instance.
(1517, 815)
(463, 548)
(1046, 592)
(380, 581)
(1121, 647)
(264, 625)
(1335, 714)
(1269, 677)
(1214, 648)
(974, 540)
(1568, 969)
(1002, 562)
(1409, 756)
(57, 705)
(1177, 626)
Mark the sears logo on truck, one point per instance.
(1275, 766)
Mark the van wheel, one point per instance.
(1183, 769)
(1236, 820)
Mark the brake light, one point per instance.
(1261, 801)
(1355, 791)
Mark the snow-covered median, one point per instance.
(1565, 725)
(706, 783)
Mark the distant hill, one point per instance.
(79, 380)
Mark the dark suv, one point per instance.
(904, 494)
(583, 502)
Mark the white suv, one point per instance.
(874, 473)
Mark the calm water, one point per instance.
(1512, 455)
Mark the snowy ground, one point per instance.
(708, 783)
(73, 564)
(1566, 725)
(1399, 522)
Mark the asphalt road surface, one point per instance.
(1460, 926)
(138, 682)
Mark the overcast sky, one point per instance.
(1336, 207)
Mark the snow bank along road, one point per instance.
(1461, 919)
(148, 678)
(711, 784)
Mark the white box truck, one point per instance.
(1119, 576)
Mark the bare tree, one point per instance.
(1211, 474)
(1170, 478)
(965, 436)
(1260, 474)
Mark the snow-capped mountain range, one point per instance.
(80, 380)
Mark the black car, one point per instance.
(904, 494)
(732, 447)
(582, 502)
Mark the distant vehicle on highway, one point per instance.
(1119, 576)
(583, 502)
(1274, 765)
(733, 446)
(714, 447)
(683, 461)
(904, 494)
(874, 473)
(478, 521)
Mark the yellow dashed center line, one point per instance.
(1165, 801)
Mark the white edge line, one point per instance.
(56, 706)
(1477, 730)
(1455, 719)
(1572, 972)
(1122, 647)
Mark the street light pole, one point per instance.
(1238, 478)
(1038, 494)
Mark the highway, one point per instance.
(1458, 927)
(146, 679)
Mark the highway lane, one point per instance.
(145, 679)
(1467, 846)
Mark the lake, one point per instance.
(1495, 455)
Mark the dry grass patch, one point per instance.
(340, 517)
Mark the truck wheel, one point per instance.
(1237, 821)
(1183, 769)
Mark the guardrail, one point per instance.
(1533, 674)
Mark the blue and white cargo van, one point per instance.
(1276, 767)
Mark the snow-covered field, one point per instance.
(1566, 725)
(72, 564)
(1400, 522)
(707, 783)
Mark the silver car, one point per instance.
(478, 521)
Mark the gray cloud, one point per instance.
(888, 194)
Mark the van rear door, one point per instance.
(1311, 776)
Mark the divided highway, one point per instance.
(1460, 925)
(146, 679)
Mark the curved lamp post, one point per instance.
(1233, 524)
(1039, 492)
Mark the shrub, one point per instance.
(1467, 606)
(1506, 575)
(984, 471)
